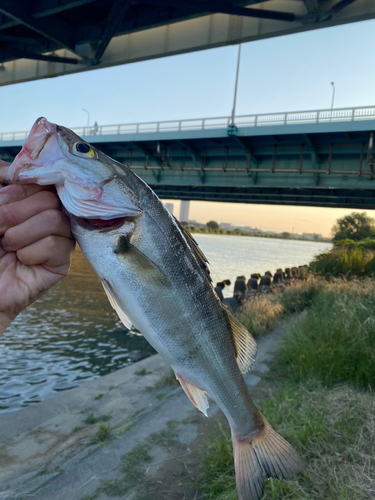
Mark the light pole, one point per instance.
(333, 96)
(236, 85)
(88, 117)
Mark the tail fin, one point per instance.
(267, 455)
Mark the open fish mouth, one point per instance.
(103, 226)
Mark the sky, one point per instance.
(289, 73)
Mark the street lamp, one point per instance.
(88, 117)
(236, 85)
(333, 94)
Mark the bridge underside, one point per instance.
(49, 38)
(319, 164)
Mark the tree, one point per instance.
(212, 224)
(355, 226)
(285, 235)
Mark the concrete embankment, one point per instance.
(128, 435)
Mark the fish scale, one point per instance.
(157, 279)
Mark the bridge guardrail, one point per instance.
(287, 118)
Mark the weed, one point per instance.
(77, 428)
(103, 435)
(160, 396)
(260, 314)
(99, 396)
(142, 372)
(336, 341)
(90, 420)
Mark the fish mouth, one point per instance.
(31, 154)
(100, 225)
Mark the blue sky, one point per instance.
(279, 74)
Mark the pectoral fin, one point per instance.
(146, 270)
(113, 301)
(197, 396)
(245, 345)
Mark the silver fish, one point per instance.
(157, 279)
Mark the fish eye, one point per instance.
(83, 149)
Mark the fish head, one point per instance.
(87, 181)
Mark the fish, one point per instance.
(157, 279)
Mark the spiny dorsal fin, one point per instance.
(195, 248)
(245, 345)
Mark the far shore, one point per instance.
(239, 232)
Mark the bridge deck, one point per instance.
(329, 163)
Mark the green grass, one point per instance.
(103, 435)
(333, 431)
(143, 372)
(336, 341)
(99, 396)
(344, 262)
(90, 420)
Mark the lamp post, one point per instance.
(236, 85)
(333, 97)
(88, 117)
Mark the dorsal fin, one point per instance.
(244, 343)
(195, 248)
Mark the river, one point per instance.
(72, 334)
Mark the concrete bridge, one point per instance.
(310, 158)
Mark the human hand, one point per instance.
(35, 245)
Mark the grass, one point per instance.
(333, 431)
(260, 314)
(321, 397)
(90, 420)
(336, 341)
(103, 435)
(143, 372)
(99, 396)
(345, 261)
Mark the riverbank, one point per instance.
(260, 234)
(124, 435)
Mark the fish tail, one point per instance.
(264, 456)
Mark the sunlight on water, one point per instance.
(72, 334)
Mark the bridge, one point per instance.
(310, 158)
(49, 38)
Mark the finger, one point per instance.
(51, 251)
(49, 222)
(16, 192)
(3, 170)
(15, 213)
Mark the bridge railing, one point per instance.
(287, 118)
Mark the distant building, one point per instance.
(169, 206)
(311, 236)
(226, 225)
(184, 211)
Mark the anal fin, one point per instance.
(197, 396)
(112, 300)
